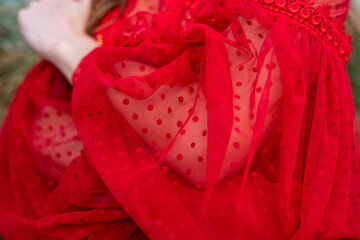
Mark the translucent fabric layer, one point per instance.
(231, 123)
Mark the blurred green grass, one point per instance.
(16, 57)
(353, 69)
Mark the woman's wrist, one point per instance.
(68, 53)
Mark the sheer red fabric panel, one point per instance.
(233, 124)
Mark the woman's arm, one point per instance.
(56, 30)
(68, 53)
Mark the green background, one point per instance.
(16, 58)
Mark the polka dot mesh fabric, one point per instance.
(203, 120)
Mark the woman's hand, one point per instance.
(56, 30)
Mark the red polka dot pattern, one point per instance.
(208, 120)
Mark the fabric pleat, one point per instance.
(206, 120)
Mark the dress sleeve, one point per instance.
(171, 96)
(221, 124)
(174, 103)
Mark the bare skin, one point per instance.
(55, 29)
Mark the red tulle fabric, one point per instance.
(204, 120)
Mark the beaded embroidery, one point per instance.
(315, 19)
(306, 15)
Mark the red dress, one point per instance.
(210, 119)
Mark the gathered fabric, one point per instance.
(216, 119)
